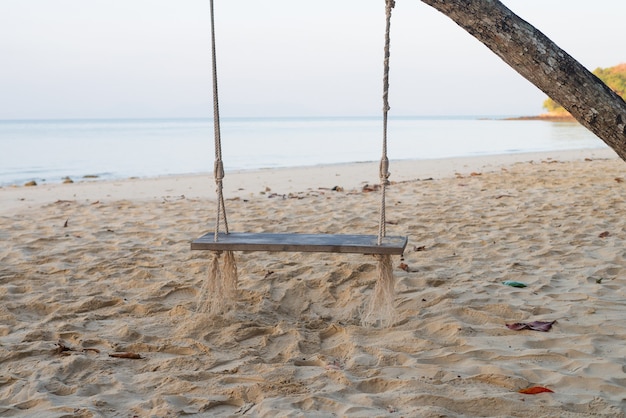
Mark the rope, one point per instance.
(219, 165)
(384, 161)
(218, 171)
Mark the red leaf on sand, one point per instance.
(535, 326)
(518, 326)
(541, 325)
(535, 390)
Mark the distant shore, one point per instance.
(548, 117)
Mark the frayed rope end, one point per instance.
(381, 310)
(219, 290)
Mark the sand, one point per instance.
(88, 270)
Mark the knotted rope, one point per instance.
(218, 170)
(384, 161)
(220, 287)
(380, 309)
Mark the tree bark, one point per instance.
(543, 63)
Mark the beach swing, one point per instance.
(222, 282)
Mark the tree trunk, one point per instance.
(543, 63)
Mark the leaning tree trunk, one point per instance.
(543, 63)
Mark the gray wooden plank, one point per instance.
(330, 243)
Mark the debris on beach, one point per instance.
(370, 188)
(334, 365)
(534, 326)
(513, 283)
(30, 183)
(404, 266)
(535, 390)
(127, 355)
(65, 349)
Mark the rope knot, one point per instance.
(218, 171)
(384, 170)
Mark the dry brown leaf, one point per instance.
(127, 355)
(371, 188)
(62, 348)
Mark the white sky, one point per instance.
(151, 58)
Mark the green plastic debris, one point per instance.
(514, 284)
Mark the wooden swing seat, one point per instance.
(321, 243)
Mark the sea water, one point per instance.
(50, 150)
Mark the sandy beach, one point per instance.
(99, 287)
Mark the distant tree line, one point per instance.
(614, 77)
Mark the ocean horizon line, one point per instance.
(277, 118)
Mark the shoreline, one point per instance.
(282, 181)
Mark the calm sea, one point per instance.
(50, 150)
